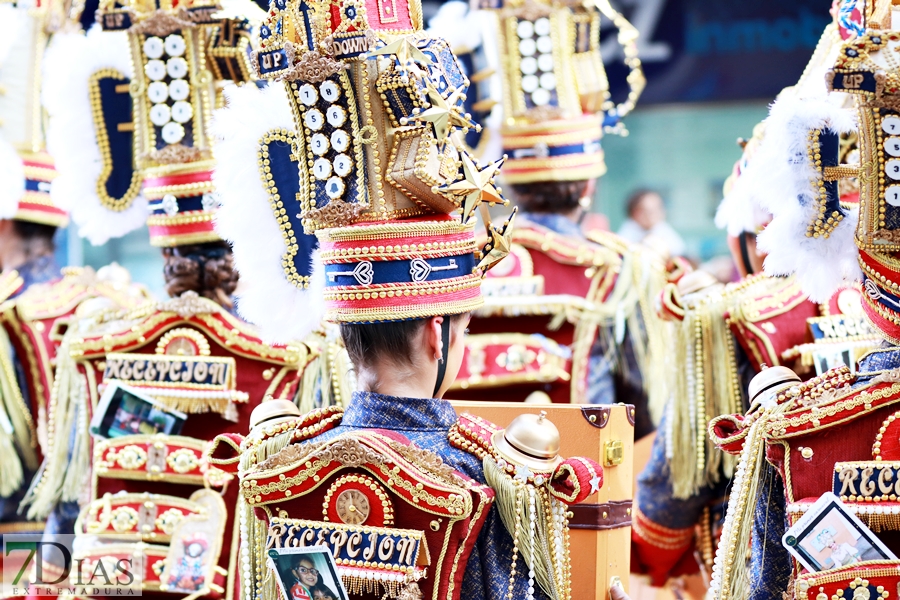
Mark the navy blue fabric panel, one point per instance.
(33, 185)
(287, 184)
(829, 148)
(117, 109)
(398, 271)
(88, 13)
(770, 563)
(189, 203)
(586, 148)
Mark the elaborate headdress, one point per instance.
(157, 118)
(555, 94)
(26, 169)
(815, 232)
(377, 109)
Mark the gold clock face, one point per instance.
(352, 507)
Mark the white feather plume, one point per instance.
(457, 24)
(12, 176)
(779, 181)
(266, 298)
(738, 212)
(72, 138)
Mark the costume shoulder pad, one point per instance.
(564, 249)
(10, 283)
(52, 300)
(368, 490)
(272, 423)
(569, 480)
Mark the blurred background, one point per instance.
(712, 67)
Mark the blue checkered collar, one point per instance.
(376, 411)
(556, 223)
(881, 359)
(42, 269)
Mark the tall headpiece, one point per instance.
(385, 181)
(26, 169)
(182, 52)
(801, 165)
(556, 101)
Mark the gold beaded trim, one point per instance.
(277, 205)
(390, 230)
(114, 204)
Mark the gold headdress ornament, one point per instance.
(386, 183)
(555, 94)
(182, 52)
(26, 169)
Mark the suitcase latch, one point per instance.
(613, 453)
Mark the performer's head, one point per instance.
(22, 241)
(567, 198)
(645, 207)
(406, 351)
(207, 269)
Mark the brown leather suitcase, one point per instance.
(601, 526)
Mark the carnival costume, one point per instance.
(39, 300)
(835, 432)
(760, 321)
(565, 316)
(390, 191)
(189, 354)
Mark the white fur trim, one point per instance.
(12, 176)
(71, 136)
(777, 180)
(283, 312)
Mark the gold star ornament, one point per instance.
(405, 50)
(476, 187)
(498, 246)
(443, 114)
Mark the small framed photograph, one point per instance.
(123, 410)
(828, 536)
(307, 573)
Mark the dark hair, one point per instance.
(365, 341)
(30, 231)
(207, 269)
(549, 196)
(326, 591)
(635, 199)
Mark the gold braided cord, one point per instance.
(512, 500)
(62, 476)
(627, 37)
(17, 440)
(731, 576)
(703, 382)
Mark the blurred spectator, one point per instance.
(646, 223)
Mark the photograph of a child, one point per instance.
(829, 537)
(307, 573)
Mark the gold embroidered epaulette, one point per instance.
(564, 249)
(38, 319)
(153, 321)
(771, 319)
(10, 283)
(55, 299)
